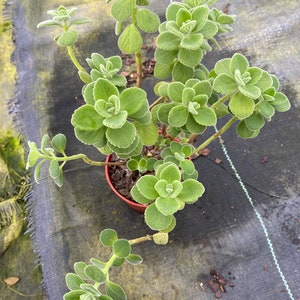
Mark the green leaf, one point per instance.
(206, 116)
(169, 172)
(192, 190)
(155, 219)
(103, 89)
(79, 21)
(94, 273)
(79, 269)
(163, 112)
(224, 84)
(118, 261)
(209, 30)
(172, 10)
(147, 132)
(49, 23)
(238, 62)
(255, 74)
(147, 20)
(86, 118)
(108, 236)
(54, 169)
(122, 137)
(92, 292)
(84, 76)
(182, 73)
(187, 166)
(114, 291)
(255, 122)
(59, 180)
(97, 262)
(134, 259)
(200, 14)
(116, 121)
(130, 40)
(73, 281)
(132, 99)
(203, 88)
(138, 197)
(67, 39)
(192, 42)
(91, 137)
(193, 127)
(33, 157)
(223, 66)
(266, 109)
(121, 248)
(167, 206)
(88, 93)
(59, 142)
(244, 132)
(250, 91)
(175, 90)
(281, 102)
(145, 186)
(265, 82)
(122, 10)
(168, 41)
(74, 295)
(182, 16)
(190, 58)
(178, 116)
(241, 106)
(163, 71)
(165, 56)
(37, 172)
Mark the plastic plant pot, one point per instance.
(136, 206)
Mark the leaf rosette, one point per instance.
(166, 193)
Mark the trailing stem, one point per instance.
(215, 135)
(139, 72)
(74, 59)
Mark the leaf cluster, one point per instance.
(38, 156)
(88, 279)
(62, 18)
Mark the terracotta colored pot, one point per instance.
(136, 206)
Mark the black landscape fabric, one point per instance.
(219, 244)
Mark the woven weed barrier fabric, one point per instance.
(224, 229)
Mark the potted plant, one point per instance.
(153, 142)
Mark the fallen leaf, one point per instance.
(10, 281)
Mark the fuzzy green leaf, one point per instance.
(121, 137)
(192, 42)
(168, 41)
(73, 281)
(200, 14)
(193, 127)
(175, 90)
(146, 186)
(178, 116)
(165, 56)
(114, 291)
(241, 106)
(121, 10)
(79, 21)
(223, 66)
(54, 169)
(49, 23)
(147, 20)
(266, 109)
(225, 84)
(130, 40)
(108, 236)
(169, 172)
(238, 62)
(74, 295)
(67, 39)
(79, 269)
(132, 99)
(190, 58)
(58, 142)
(155, 219)
(209, 30)
(103, 89)
(167, 206)
(91, 137)
(265, 82)
(138, 197)
(88, 93)
(182, 73)
(116, 121)
(255, 122)
(94, 273)
(244, 132)
(86, 118)
(192, 190)
(134, 259)
(250, 91)
(206, 116)
(147, 132)
(121, 248)
(163, 71)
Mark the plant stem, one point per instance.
(138, 62)
(84, 158)
(221, 100)
(141, 239)
(156, 102)
(215, 135)
(74, 59)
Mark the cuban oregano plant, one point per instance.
(118, 119)
(92, 281)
